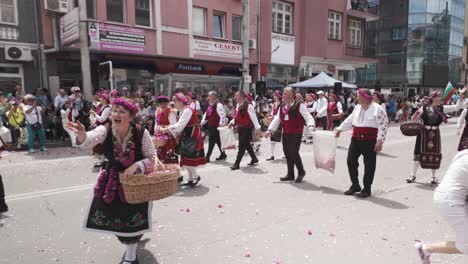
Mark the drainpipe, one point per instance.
(41, 58)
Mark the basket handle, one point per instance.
(157, 162)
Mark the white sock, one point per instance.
(415, 168)
(130, 255)
(423, 247)
(190, 174)
(433, 173)
(272, 148)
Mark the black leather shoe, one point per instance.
(287, 178)
(352, 190)
(131, 262)
(180, 179)
(194, 183)
(300, 176)
(411, 179)
(207, 160)
(222, 157)
(3, 208)
(253, 162)
(235, 167)
(271, 158)
(364, 193)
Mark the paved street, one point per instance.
(259, 216)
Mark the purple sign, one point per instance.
(116, 38)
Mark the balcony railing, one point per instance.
(365, 9)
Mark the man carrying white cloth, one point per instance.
(369, 123)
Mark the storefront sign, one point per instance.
(282, 49)
(217, 49)
(116, 38)
(70, 28)
(190, 67)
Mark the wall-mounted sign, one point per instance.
(282, 49)
(189, 67)
(116, 38)
(331, 69)
(70, 27)
(217, 49)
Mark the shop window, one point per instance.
(334, 25)
(90, 8)
(143, 12)
(282, 17)
(115, 10)
(8, 12)
(219, 24)
(355, 33)
(394, 57)
(237, 28)
(199, 21)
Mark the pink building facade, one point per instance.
(161, 46)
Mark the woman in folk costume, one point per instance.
(377, 97)
(311, 104)
(187, 129)
(195, 104)
(256, 144)
(102, 114)
(245, 119)
(450, 201)
(278, 97)
(427, 151)
(464, 136)
(69, 114)
(334, 112)
(165, 117)
(129, 150)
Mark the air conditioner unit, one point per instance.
(18, 53)
(59, 6)
(252, 44)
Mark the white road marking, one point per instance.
(32, 195)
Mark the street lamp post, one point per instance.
(245, 44)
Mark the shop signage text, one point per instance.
(190, 67)
(70, 28)
(217, 49)
(116, 38)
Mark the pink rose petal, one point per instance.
(309, 232)
(220, 206)
(248, 255)
(188, 210)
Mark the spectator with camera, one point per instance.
(34, 123)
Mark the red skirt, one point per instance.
(167, 152)
(198, 157)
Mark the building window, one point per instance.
(8, 12)
(199, 21)
(90, 8)
(219, 25)
(237, 28)
(143, 13)
(394, 57)
(282, 17)
(115, 10)
(397, 33)
(355, 33)
(334, 25)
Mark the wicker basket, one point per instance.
(412, 128)
(139, 188)
(159, 143)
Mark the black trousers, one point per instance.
(214, 139)
(324, 122)
(291, 146)
(366, 149)
(2, 192)
(245, 137)
(129, 240)
(15, 135)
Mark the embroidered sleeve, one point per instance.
(94, 137)
(222, 114)
(253, 117)
(307, 116)
(453, 108)
(276, 121)
(179, 126)
(340, 107)
(146, 165)
(382, 123)
(104, 115)
(461, 119)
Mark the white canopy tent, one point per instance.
(320, 81)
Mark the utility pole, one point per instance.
(85, 61)
(245, 44)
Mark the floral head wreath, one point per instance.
(365, 94)
(182, 98)
(126, 104)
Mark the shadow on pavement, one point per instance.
(252, 170)
(200, 190)
(278, 161)
(328, 190)
(426, 186)
(145, 256)
(306, 186)
(384, 202)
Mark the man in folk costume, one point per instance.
(164, 117)
(334, 112)
(369, 124)
(245, 119)
(427, 151)
(292, 116)
(321, 116)
(215, 116)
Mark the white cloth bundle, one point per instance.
(325, 144)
